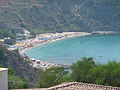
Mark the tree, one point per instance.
(98, 74)
(53, 76)
(112, 76)
(108, 74)
(15, 82)
(3, 57)
(87, 71)
(81, 70)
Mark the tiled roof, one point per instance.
(82, 86)
(31, 89)
(77, 86)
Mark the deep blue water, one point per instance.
(102, 48)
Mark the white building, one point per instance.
(3, 79)
(26, 33)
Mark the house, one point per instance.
(76, 86)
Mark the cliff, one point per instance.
(21, 67)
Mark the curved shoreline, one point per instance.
(45, 64)
(51, 37)
(66, 36)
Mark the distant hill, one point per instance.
(40, 16)
(21, 67)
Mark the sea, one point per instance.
(102, 48)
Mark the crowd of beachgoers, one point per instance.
(41, 39)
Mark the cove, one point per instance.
(103, 48)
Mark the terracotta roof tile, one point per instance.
(76, 86)
(82, 86)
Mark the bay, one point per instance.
(103, 48)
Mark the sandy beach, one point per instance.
(48, 38)
(42, 39)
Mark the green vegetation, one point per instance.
(21, 69)
(15, 82)
(41, 16)
(81, 70)
(85, 71)
(22, 75)
(2, 55)
(107, 74)
(7, 33)
(53, 76)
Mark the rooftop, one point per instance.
(77, 86)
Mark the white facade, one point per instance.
(3, 79)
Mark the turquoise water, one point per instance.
(102, 48)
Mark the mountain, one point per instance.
(21, 67)
(40, 16)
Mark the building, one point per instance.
(3, 79)
(76, 86)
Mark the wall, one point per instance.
(3, 79)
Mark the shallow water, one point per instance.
(102, 48)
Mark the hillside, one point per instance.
(40, 16)
(22, 68)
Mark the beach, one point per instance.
(41, 64)
(43, 39)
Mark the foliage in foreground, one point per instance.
(53, 76)
(85, 71)
(15, 82)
